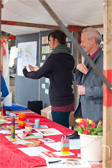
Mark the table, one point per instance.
(12, 157)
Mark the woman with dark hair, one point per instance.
(58, 68)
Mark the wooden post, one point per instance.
(107, 96)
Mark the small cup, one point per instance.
(37, 123)
(28, 128)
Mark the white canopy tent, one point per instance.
(71, 12)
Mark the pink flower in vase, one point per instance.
(93, 125)
(86, 131)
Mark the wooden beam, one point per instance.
(4, 37)
(79, 28)
(97, 26)
(75, 28)
(25, 24)
(11, 37)
(107, 96)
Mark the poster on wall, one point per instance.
(26, 56)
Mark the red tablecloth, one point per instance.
(12, 157)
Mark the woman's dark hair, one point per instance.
(59, 35)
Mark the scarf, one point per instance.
(61, 49)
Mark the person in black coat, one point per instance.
(58, 68)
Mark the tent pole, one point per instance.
(107, 97)
(75, 42)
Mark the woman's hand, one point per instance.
(33, 68)
(24, 67)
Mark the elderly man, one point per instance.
(90, 86)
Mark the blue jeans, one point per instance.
(61, 117)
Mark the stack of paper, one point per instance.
(31, 136)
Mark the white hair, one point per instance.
(93, 33)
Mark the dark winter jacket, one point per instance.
(58, 68)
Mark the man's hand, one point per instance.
(81, 89)
(33, 68)
(82, 68)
